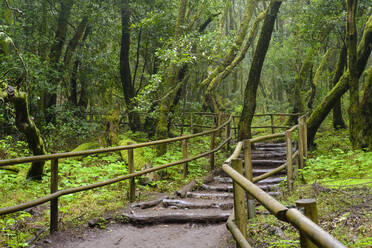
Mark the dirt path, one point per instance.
(165, 236)
(204, 210)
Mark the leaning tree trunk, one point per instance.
(338, 121)
(351, 43)
(254, 76)
(125, 73)
(328, 103)
(236, 54)
(26, 125)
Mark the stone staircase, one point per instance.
(212, 202)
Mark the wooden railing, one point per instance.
(55, 193)
(245, 192)
(218, 117)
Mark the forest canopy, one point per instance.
(70, 69)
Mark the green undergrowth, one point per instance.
(77, 209)
(340, 180)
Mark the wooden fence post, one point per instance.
(272, 123)
(132, 183)
(310, 211)
(305, 137)
(219, 120)
(228, 131)
(301, 142)
(239, 200)
(249, 175)
(191, 124)
(184, 152)
(288, 140)
(183, 122)
(211, 157)
(54, 202)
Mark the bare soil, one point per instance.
(165, 236)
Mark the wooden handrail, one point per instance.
(57, 194)
(14, 161)
(307, 228)
(315, 233)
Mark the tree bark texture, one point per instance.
(125, 73)
(315, 81)
(366, 113)
(327, 104)
(254, 76)
(351, 43)
(338, 121)
(26, 125)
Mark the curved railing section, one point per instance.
(246, 191)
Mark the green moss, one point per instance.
(139, 159)
(348, 182)
(86, 146)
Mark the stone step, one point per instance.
(166, 215)
(220, 179)
(198, 204)
(270, 180)
(260, 171)
(218, 187)
(269, 188)
(264, 144)
(209, 195)
(272, 163)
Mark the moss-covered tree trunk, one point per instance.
(254, 76)
(328, 102)
(351, 43)
(366, 113)
(171, 84)
(26, 125)
(235, 55)
(125, 72)
(298, 102)
(338, 121)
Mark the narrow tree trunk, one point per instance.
(328, 103)
(298, 104)
(125, 73)
(55, 55)
(73, 83)
(250, 93)
(74, 42)
(338, 121)
(351, 42)
(75, 71)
